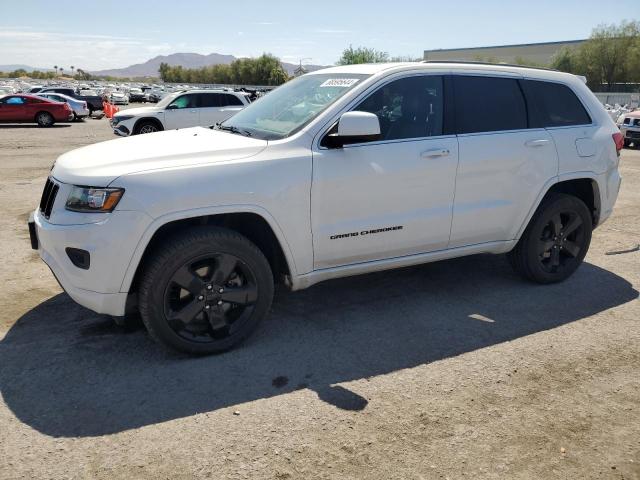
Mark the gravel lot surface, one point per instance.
(456, 369)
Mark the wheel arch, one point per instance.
(258, 226)
(582, 185)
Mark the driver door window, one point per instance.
(411, 107)
(182, 112)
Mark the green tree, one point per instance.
(351, 56)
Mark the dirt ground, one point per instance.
(456, 369)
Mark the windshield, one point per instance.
(166, 100)
(290, 107)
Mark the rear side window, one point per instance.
(231, 100)
(553, 105)
(208, 100)
(488, 104)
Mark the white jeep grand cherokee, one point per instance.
(340, 172)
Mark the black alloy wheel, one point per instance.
(556, 240)
(204, 290)
(210, 297)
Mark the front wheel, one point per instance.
(555, 242)
(205, 290)
(146, 127)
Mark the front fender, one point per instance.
(159, 222)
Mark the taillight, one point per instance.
(618, 139)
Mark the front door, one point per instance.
(393, 196)
(182, 112)
(13, 109)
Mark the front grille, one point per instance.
(633, 135)
(48, 197)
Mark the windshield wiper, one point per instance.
(231, 128)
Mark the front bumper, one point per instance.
(630, 133)
(110, 243)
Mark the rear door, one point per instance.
(505, 161)
(182, 112)
(217, 107)
(556, 107)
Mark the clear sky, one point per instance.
(109, 34)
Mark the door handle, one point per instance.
(436, 152)
(536, 143)
(194, 111)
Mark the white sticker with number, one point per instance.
(340, 82)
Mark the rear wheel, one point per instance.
(44, 119)
(555, 242)
(205, 290)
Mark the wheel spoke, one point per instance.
(544, 246)
(556, 223)
(573, 225)
(226, 264)
(217, 318)
(245, 295)
(572, 248)
(188, 280)
(555, 257)
(187, 313)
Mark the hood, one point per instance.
(100, 164)
(138, 111)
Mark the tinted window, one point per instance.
(209, 100)
(407, 108)
(231, 100)
(488, 104)
(184, 101)
(553, 105)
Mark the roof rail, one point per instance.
(469, 62)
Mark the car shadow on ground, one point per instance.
(68, 372)
(28, 125)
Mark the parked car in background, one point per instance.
(629, 125)
(79, 107)
(35, 89)
(32, 109)
(136, 95)
(94, 102)
(180, 110)
(119, 98)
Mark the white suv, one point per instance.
(339, 172)
(180, 110)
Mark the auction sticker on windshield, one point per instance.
(340, 82)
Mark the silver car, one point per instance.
(79, 107)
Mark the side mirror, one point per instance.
(171, 107)
(354, 127)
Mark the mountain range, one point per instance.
(186, 60)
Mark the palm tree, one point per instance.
(61, 70)
(55, 69)
(72, 69)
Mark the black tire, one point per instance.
(44, 119)
(229, 290)
(555, 242)
(146, 126)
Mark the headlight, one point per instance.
(117, 119)
(90, 199)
